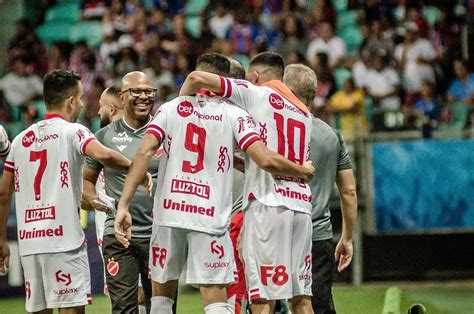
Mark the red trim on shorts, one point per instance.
(8, 169)
(255, 296)
(84, 146)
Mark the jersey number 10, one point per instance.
(291, 126)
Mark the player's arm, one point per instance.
(197, 80)
(106, 156)
(347, 189)
(277, 164)
(6, 194)
(137, 171)
(239, 163)
(4, 144)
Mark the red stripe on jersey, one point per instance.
(223, 85)
(248, 140)
(155, 134)
(84, 146)
(158, 129)
(254, 290)
(8, 168)
(9, 163)
(229, 88)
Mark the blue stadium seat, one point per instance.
(194, 7)
(346, 19)
(66, 12)
(340, 75)
(193, 25)
(54, 31)
(431, 14)
(91, 32)
(340, 5)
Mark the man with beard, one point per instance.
(124, 265)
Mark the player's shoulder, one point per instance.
(319, 126)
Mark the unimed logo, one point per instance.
(185, 109)
(28, 139)
(276, 101)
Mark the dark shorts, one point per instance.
(122, 267)
(323, 273)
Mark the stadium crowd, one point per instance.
(381, 64)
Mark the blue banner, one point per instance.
(424, 185)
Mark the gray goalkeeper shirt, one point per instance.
(124, 139)
(329, 155)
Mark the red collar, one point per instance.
(52, 116)
(206, 92)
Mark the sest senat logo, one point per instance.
(185, 109)
(276, 101)
(28, 139)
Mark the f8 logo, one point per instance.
(158, 255)
(277, 274)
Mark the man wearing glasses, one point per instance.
(124, 265)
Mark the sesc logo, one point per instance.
(276, 101)
(28, 139)
(185, 109)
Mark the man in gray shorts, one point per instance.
(330, 157)
(124, 265)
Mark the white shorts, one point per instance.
(210, 258)
(277, 252)
(57, 280)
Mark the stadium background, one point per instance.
(412, 160)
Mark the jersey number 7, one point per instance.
(42, 156)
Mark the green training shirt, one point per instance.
(124, 139)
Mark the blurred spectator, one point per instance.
(462, 88)
(109, 47)
(75, 61)
(328, 43)
(379, 41)
(360, 68)
(127, 59)
(179, 41)
(155, 62)
(428, 108)
(326, 86)
(383, 85)
(19, 86)
(243, 35)
(349, 104)
(414, 15)
(415, 56)
(58, 57)
(93, 9)
(181, 70)
(221, 21)
(293, 39)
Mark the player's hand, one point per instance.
(4, 257)
(239, 245)
(148, 184)
(343, 254)
(309, 170)
(123, 226)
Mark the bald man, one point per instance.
(124, 265)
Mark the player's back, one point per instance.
(285, 129)
(47, 160)
(195, 176)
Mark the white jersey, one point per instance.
(195, 176)
(46, 160)
(284, 129)
(100, 217)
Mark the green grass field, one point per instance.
(439, 298)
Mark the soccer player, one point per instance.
(277, 219)
(329, 153)
(4, 144)
(125, 265)
(44, 171)
(193, 200)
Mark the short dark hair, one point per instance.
(114, 91)
(237, 71)
(271, 60)
(58, 86)
(214, 63)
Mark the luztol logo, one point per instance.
(36, 214)
(188, 187)
(63, 277)
(28, 139)
(217, 249)
(276, 101)
(185, 109)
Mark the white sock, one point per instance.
(217, 308)
(141, 309)
(161, 305)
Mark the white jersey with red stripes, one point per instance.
(284, 129)
(194, 189)
(46, 160)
